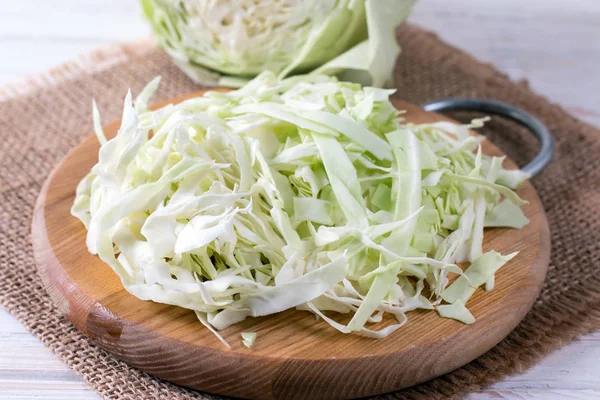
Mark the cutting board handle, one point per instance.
(522, 117)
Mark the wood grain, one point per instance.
(294, 356)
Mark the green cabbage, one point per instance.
(242, 38)
(304, 193)
(248, 339)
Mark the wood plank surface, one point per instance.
(552, 43)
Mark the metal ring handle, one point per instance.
(513, 113)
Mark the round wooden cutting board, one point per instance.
(295, 356)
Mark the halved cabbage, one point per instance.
(243, 38)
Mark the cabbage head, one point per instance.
(236, 40)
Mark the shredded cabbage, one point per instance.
(225, 42)
(304, 193)
(248, 339)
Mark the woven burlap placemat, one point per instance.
(44, 118)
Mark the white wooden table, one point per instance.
(553, 43)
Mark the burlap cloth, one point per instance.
(41, 120)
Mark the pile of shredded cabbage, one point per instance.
(304, 192)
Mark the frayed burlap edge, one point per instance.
(89, 63)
